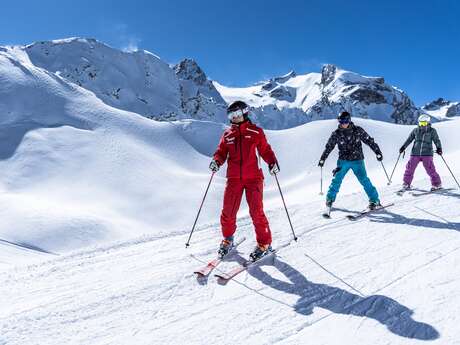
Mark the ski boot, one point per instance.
(327, 212)
(260, 251)
(406, 186)
(435, 188)
(373, 205)
(225, 246)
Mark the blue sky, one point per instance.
(414, 45)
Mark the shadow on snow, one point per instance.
(396, 317)
(394, 218)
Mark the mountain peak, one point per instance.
(436, 104)
(274, 82)
(188, 69)
(284, 78)
(65, 41)
(328, 72)
(442, 108)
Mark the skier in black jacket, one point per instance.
(348, 137)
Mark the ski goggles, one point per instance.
(237, 113)
(344, 121)
(423, 123)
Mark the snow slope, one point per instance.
(96, 205)
(400, 268)
(86, 172)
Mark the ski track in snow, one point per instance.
(125, 294)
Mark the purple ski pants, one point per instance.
(427, 164)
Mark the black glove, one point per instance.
(402, 149)
(274, 168)
(379, 157)
(214, 166)
(321, 163)
(336, 170)
(439, 151)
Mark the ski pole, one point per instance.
(321, 188)
(383, 166)
(287, 213)
(450, 171)
(199, 211)
(391, 176)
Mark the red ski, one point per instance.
(205, 270)
(224, 277)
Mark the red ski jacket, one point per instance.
(239, 146)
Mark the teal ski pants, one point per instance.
(359, 170)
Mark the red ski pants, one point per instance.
(254, 195)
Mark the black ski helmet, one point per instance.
(344, 117)
(239, 105)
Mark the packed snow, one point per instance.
(97, 203)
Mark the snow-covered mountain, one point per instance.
(199, 98)
(442, 109)
(141, 82)
(293, 99)
(134, 81)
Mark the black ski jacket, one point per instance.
(349, 142)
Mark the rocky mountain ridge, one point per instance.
(143, 83)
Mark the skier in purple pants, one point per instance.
(423, 136)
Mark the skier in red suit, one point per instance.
(240, 146)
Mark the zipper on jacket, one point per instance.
(421, 145)
(241, 153)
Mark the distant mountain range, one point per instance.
(141, 82)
